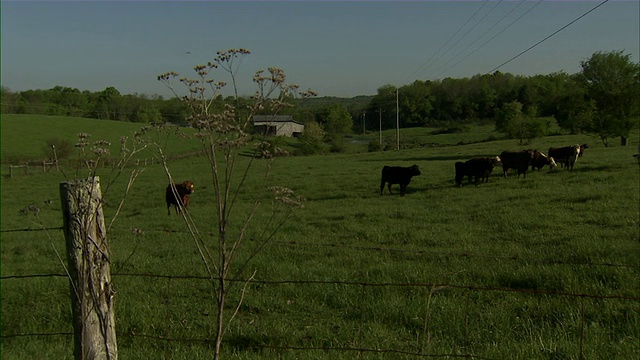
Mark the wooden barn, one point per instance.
(277, 125)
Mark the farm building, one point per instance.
(282, 125)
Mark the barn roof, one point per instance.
(274, 118)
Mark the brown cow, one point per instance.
(178, 195)
(567, 155)
(540, 160)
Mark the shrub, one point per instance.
(374, 146)
(63, 148)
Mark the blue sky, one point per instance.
(336, 48)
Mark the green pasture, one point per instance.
(25, 136)
(542, 267)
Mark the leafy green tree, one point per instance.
(383, 106)
(484, 96)
(524, 126)
(612, 80)
(415, 104)
(508, 114)
(12, 103)
(336, 121)
(312, 139)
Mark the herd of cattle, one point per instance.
(480, 168)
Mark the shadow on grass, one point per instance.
(249, 343)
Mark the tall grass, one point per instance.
(495, 271)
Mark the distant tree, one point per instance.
(524, 126)
(573, 110)
(612, 80)
(508, 114)
(312, 139)
(336, 122)
(415, 104)
(384, 104)
(484, 96)
(105, 104)
(10, 100)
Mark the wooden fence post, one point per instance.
(88, 257)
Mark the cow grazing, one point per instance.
(180, 197)
(540, 160)
(566, 156)
(398, 175)
(480, 168)
(519, 160)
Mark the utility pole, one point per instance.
(397, 122)
(380, 111)
(364, 116)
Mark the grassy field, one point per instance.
(25, 136)
(545, 267)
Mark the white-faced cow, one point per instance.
(178, 195)
(567, 155)
(540, 160)
(398, 175)
(519, 160)
(480, 168)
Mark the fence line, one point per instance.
(437, 286)
(379, 248)
(364, 285)
(25, 166)
(28, 229)
(46, 165)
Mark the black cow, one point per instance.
(519, 160)
(479, 167)
(181, 196)
(398, 175)
(540, 160)
(567, 155)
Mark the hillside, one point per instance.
(24, 136)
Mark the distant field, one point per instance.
(545, 267)
(25, 136)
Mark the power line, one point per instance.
(493, 37)
(473, 27)
(448, 41)
(545, 39)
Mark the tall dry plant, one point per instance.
(222, 132)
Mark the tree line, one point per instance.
(603, 99)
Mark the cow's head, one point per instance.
(496, 161)
(530, 152)
(552, 163)
(188, 185)
(415, 170)
(581, 149)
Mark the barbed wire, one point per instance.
(433, 286)
(438, 286)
